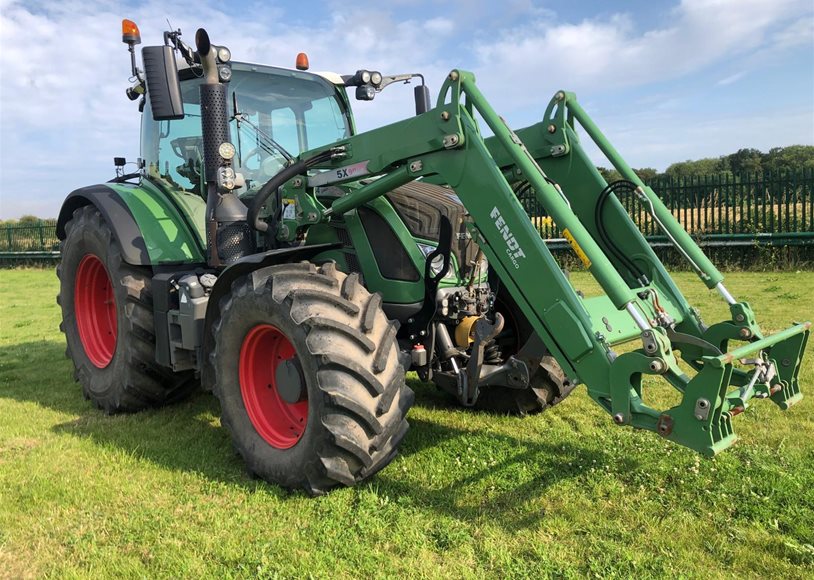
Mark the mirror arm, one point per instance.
(405, 78)
(173, 38)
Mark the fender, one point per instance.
(224, 285)
(117, 216)
(149, 227)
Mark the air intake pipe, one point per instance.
(228, 235)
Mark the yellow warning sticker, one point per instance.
(289, 209)
(576, 247)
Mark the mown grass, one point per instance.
(567, 493)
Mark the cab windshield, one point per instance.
(281, 113)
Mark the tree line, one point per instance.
(27, 220)
(778, 159)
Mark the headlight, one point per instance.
(225, 73)
(436, 265)
(376, 78)
(224, 54)
(438, 262)
(365, 93)
(365, 76)
(226, 150)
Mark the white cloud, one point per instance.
(545, 55)
(799, 32)
(439, 25)
(63, 113)
(733, 78)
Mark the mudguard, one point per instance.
(150, 228)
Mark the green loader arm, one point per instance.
(555, 146)
(641, 301)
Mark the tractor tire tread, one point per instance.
(361, 414)
(142, 382)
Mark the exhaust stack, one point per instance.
(228, 235)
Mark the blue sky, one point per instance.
(666, 80)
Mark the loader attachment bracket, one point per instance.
(743, 326)
(718, 392)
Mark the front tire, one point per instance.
(549, 385)
(107, 319)
(308, 376)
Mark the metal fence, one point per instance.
(29, 241)
(769, 208)
(749, 209)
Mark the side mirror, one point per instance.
(422, 99)
(163, 87)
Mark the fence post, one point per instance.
(788, 187)
(809, 190)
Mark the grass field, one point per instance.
(566, 493)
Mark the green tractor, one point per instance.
(266, 251)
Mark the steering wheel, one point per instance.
(188, 147)
(268, 165)
(190, 150)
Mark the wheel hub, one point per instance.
(95, 311)
(272, 386)
(289, 380)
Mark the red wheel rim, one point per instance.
(280, 423)
(95, 310)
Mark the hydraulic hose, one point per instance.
(612, 188)
(297, 168)
(270, 187)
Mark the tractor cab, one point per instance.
(275, 114)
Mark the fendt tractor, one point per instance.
(264, 250)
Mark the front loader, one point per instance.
(298, 270)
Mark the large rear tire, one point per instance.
(107, 319)
(308, 376)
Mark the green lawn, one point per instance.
(566, 493)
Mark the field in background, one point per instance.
(161, 493)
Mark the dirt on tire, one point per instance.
(347, 349)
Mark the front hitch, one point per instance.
(716, 394)
(485, 332)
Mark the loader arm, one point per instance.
(641, 301)
(556, 147)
